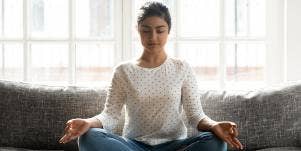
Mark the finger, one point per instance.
(67, 128)
(63, 139)
(69, 138)
(226, 139)
(233, 124)
(72, 130)
(229, 126)
(231, 131)
(230, 141)
(236, 143)
(240, 146)
(235, 132)
(66, 135)
(69, 121)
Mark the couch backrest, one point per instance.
(266, 118)
(34, 116)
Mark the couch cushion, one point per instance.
(227, 106)
(34, 116)
(282, 149)
(266, 118)
(274, 118)
(21, 149)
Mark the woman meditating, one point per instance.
(154, 89)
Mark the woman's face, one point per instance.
(153, 33)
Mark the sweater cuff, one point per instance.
(108, 123)
(194, 121)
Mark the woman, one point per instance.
(154, 90)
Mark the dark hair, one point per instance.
(150, 9)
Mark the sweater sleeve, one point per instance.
(190, 97)
(114, 102)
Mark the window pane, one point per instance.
(245, 17)
(203, 57)
(257, 17)
(11, 61)
(245, 61)
(49, 18)
(199, 18)
(94, 18)
(94, 63)
(137, 5)
(138, 49)
(49, 63)
(11, 14)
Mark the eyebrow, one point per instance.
(146, 26)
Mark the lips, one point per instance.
(151, 44)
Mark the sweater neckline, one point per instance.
(153, 68)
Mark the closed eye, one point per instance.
(161, 31)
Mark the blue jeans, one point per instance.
(97, 139)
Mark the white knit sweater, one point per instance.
(154, 99)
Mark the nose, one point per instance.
(153, 35)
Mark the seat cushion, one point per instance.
(282, 149)
(21, 149)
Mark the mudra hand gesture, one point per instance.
(228, 132)
(75, 128)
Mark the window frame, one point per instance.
(275, 55)
(273, 41)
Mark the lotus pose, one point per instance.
(155, 89)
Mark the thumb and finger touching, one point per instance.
(72, 131)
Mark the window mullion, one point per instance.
(222, 56)
(2, 45)
(178, 26)
(3, 61)
(118, 26)
(126, 29)
(248, 18)
(72, 47)
(2, 18)
(26, 50)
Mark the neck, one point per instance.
(151, 59)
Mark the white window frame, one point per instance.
(275, 55)
(274, 67)
(26, 40)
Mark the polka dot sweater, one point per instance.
(154, 99)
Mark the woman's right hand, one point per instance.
(75, 128)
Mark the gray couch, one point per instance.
(33, 116)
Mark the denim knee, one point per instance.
(218, 142)
(95, 131)
(92, 133)
(212, 137)
(208, 141)
(88, 140)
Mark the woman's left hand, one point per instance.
(228, 132)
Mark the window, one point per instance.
(78, 42)
(57, 41)
(223, 40)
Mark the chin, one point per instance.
(154, 49)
